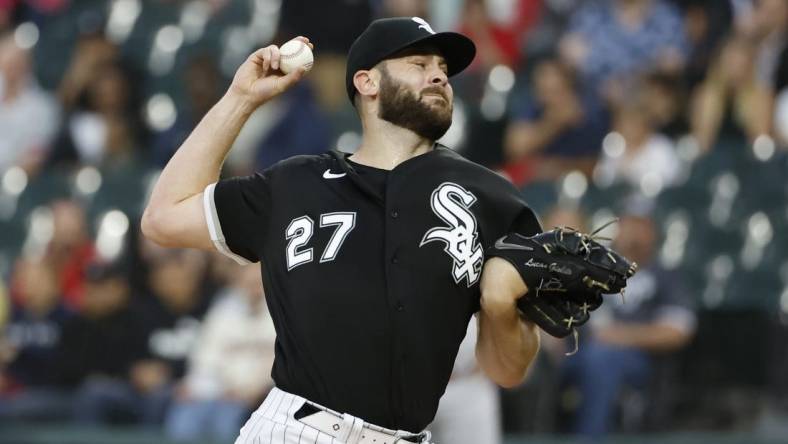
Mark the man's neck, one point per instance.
(385, 145)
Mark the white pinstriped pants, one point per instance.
(274, 423)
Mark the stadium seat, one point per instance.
(540, 196)
(725, 369)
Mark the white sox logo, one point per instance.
(450, 202)
(423, 24)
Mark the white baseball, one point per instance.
(293, 54)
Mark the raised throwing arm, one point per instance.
(174, 216)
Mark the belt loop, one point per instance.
(356, 429)
(343, 431)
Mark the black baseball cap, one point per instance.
(386, 37)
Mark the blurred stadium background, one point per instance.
(672, 111)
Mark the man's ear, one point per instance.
(367, 82)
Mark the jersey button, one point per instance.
(400, 307)
(395, 260)
(394, 214)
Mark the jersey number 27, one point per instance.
(300, 231)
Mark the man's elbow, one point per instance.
(153, 227)
(509, 376)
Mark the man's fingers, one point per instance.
(275, 56)
(291, 78)
(266, 59)
(306, 40)
(263, 57)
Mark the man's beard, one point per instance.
(404, 108)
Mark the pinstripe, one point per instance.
(279, 405)
(261, 423)
(258, 424)
(294, 406)
(275, 415)
(309, 434)
(259, 436)
(284, 433)
(271, 436)
(257, 421)
(271, 421)
(251, 426)
(287, 413)
(278, 395)
(319, 435)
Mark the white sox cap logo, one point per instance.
(451, 202)
(423, 24)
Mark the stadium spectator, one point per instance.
(105, 129)
(610, 41)
(91, 52)
(348, 19)
(706, 23)
(664, 97)
(100, 346)
(460, 420)
(730, 104)
(498, 31)
(767, 26)
(30, 388)
(781, 106)
(532, 407)
(202, 82)
(625, 338)
(555, 128)
(553, 18)
(22, 102)
(70, 250)
(228, 372)
(637, 151)
(301, 127)
(173, 319)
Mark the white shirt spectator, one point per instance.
(235, 350)
(28, 123)
(656, 158)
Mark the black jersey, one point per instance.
(370, 293)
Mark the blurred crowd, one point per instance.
(670, 114)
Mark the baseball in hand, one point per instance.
(293, 54)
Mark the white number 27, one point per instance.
(300, 231)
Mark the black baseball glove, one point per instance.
(566, 272)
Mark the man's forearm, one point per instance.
(175, 215)
(507, 344)
(198, 161)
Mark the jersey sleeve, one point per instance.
(238, 211)
(507, 213)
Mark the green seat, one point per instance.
(612, 197)
(540, 196)
(123, 190)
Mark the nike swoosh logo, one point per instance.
(501, 245)
(329, 175)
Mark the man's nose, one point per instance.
(438, 77)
